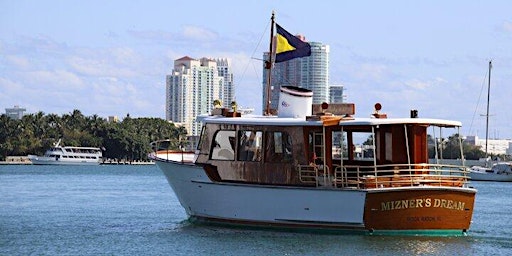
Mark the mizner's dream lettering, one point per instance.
(422, 203)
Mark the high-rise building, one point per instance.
(15, 113)
(227, 93)
(310, 72)
(336, 93)
(193, 86)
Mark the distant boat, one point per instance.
(300, 169)
(499, 171)
(67, 155)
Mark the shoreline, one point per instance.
(104, 163)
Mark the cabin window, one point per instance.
(223, 145)
(339, 145)
(351, 145)
(363, 146)
(278, 147)
(249, 146)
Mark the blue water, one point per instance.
(131, 210)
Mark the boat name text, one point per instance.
(422, 203)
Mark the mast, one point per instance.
(487, 114)
(268, 66)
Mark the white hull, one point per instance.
(482, 176)
(318, 208)
(260, 204)
(499, 172)
(42, 160)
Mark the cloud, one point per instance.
(43, 75)
(54, 79)
(371, 71)
(119, 97)
(37, 44)
(188, 34)
(124, 55)
(506, 26)
(153, 35)
(18, 62)
(198, 33)
(418, 84)
(101, 63)
(8, 88)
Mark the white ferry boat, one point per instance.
(67, 155)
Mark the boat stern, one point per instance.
(419, 209)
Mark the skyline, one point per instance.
(111, 58)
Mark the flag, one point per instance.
(289, 46)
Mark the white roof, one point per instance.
(278, 121)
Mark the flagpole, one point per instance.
(268, 66)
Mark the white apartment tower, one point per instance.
(310, 72)
(227, 93)
(192, 87)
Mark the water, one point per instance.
(131, 210)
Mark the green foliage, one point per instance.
(449, 149)
(129, 139)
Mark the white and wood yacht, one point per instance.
(302, 169)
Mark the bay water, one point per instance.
(131, 210)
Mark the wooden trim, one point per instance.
(212, 172)
(419, 209)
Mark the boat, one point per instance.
(499, 171)
(300, 170)
(68, 155)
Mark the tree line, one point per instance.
(448, 148)
(129, 139)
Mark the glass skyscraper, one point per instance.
(336, 94)
(310, 72)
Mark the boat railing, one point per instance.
(315, 174)
(173, 151)
(308, 174)
(400, 175)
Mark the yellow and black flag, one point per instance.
(289, 46)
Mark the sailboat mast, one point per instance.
(268, 66)
(487, 114)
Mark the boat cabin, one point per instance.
(320, 150)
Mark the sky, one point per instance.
(112, 57)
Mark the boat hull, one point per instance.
(42, 160)
(482, 176)
(313, 208)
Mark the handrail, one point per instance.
(311, 174)
(399, 175)
(389, 175)
(173, 156)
